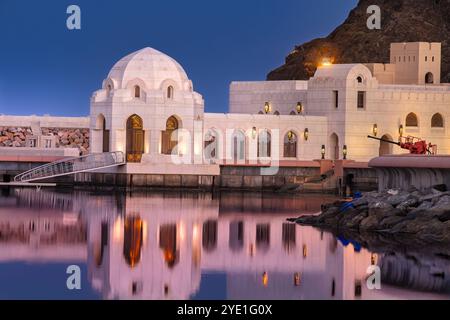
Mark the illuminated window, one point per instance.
(290, 145)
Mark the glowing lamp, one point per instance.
(265, 279)
(254, 132)
(290, 135)
(400, 130)
(323, 152)
(267, 108)
(375, 129)
(344, 152)
(306, 134)
(299, 108)
(326, 62)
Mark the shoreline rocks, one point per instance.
(425, 216)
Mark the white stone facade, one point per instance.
(334, 111)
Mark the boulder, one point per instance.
(395, 200)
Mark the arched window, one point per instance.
(238, 145)
(137, 92)
(170, 136)
(277, 113)
(429, 78)
(290, 145)
(108, 89)
(293, 113)
(412, 120)
(264, 144)
(359, 79)
(169, 92)
(437, 121)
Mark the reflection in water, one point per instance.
(132, 243)
(164, 246)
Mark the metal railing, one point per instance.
(70, 166)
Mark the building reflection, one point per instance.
(158, 246)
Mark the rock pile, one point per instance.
(66, 137)
(423, 215)
(13, 137)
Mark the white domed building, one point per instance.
(147, 108)
(145, 98)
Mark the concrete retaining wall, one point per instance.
(403, 178)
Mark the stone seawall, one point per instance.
(66, 137)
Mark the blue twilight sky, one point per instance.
(47, 69)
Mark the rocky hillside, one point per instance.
(351, 42)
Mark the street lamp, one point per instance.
(306, 134)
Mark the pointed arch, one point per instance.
(169, 137)
(290, 144)
(134, 138)
(334, 147)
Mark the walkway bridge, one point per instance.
(71, 166)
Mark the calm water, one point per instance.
(192, 246)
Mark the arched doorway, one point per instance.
(135, 139)
(334, 147)
(429, 78)
(101, 125)
(132, 242)
(169, 137)
(386, 148)
(290, 145)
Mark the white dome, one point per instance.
(150, 66)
